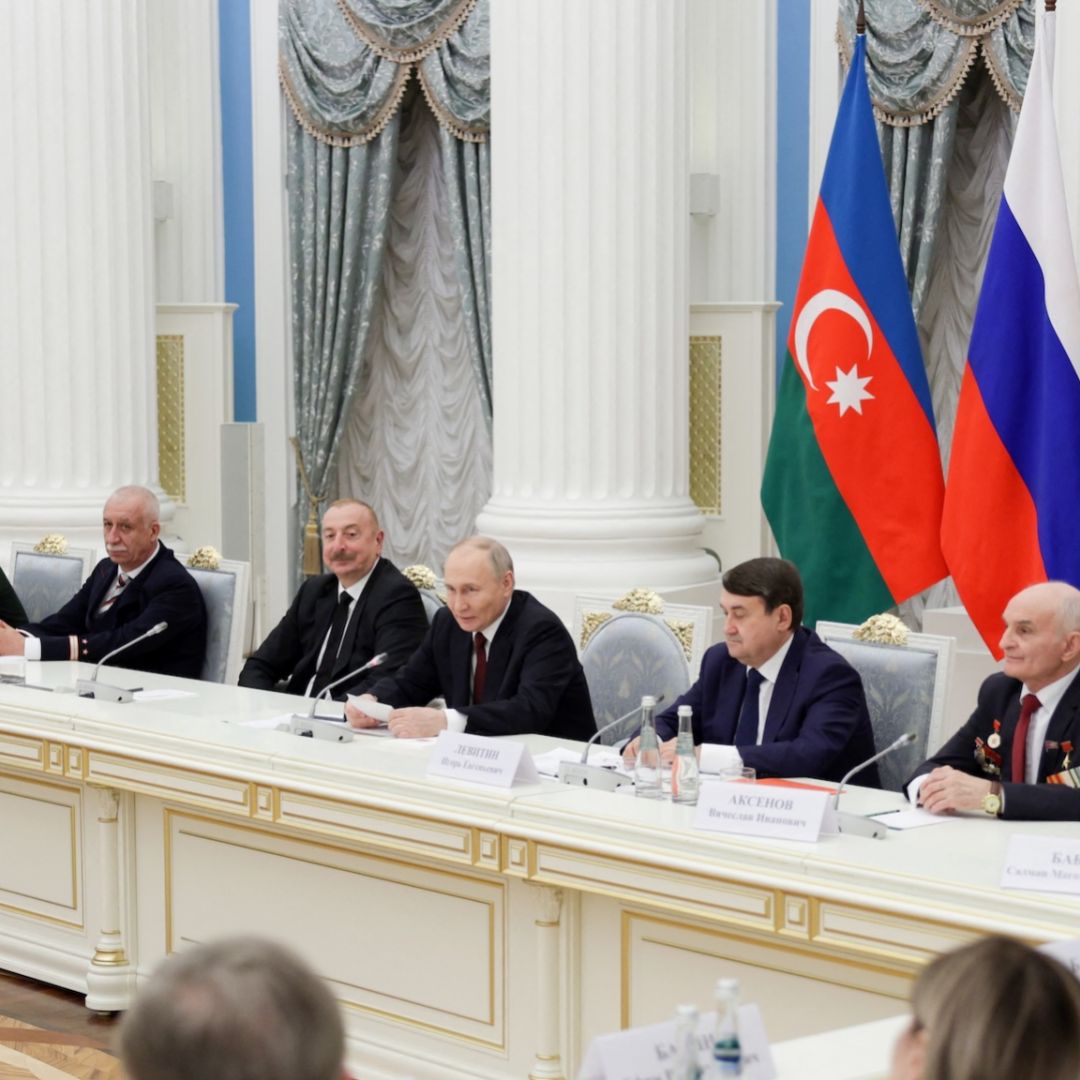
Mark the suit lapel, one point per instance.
(347, 655)
(1064, 727)
(499, 649)
(784, 689)
(460, 666)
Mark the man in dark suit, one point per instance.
(773, 697)
(11, 609)
(504, 663)
(1015, 756)
(138, 585)
(338, 621)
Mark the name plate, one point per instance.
(477, 759)
(761, 810)
(650, 1053)
(1042, 864)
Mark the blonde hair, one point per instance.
(995, 1010)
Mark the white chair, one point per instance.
(627, 656)
(906, 689)
(45, 582)
(692, 625)
(225, 592)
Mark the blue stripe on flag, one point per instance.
(1031, 392)
(856, 196)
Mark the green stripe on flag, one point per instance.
(811, 522)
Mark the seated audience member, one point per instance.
(773, 696)
(338, 621)
(995, 1010)
(138, 585)
(1015, 756)
(503, 662)
(11, 609)
(238, 1009)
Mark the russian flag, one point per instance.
(1012, 499)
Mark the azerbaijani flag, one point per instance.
(1012, 504)
(853, 484)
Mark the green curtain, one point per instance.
(344, 68)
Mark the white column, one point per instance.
(589, 234)
(547, 1061)
(76, 265)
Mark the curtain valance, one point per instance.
(920, 51)
(344, 68)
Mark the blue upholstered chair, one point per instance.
(432, 603)
(906, 688)
(46, 582)
(225, 592)
(629, 655)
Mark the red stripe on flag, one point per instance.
(989, 526)
(885, 460)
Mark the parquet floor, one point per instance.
(48, 1034)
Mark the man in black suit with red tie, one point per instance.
(139, 585)
(503, 663)
(1016, 755)
(338, 621)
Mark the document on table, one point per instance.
(915, 818)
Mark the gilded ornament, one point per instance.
(52, 544)
(205, 558)
(643, 600)
(882, 630)
(591, 621)
(423, 577)
(684, 631)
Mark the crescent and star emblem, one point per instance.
(848, 388)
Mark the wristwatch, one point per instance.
(992, 802)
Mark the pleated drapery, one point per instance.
(345, 68)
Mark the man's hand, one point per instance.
(947, 789)
(360, 719)
(417, 723)
(12, 643)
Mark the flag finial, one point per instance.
(860, 19)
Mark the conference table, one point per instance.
(467, 931)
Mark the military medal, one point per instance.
(1068, 748)
(994, 740)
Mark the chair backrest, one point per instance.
(691, 624)
(225, 592)
(629, 655)
(906, 689)
(45, 583)
(431, 602)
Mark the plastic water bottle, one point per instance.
(647, 782)
(685, 1066)
(685, 778)
(727, 1051)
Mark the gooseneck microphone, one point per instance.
(582, 774)
(856, 824)
(375, 661)
(91, 688)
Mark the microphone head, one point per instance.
(377, 659)
(905, 739)
(157, 629)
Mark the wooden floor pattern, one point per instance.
(48, 1034)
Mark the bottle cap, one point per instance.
(648, 701)
(685, 710)
(686, 1010)
(727, 987)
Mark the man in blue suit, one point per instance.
(773, 696)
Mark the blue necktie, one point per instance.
(746, 732)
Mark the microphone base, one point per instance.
(573, 772)
(103, 691)
(311, 727)
(857, 825)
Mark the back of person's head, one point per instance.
(996, 1010)
(238, 1009)
(776, 581)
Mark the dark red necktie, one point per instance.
(1019, 748)
(481, 668)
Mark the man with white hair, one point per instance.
(238, 1009)
(138, 585)
(1018, 756)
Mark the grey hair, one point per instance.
(1070, 609)
(237, 1009)
(497, 554)
(151, 508)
